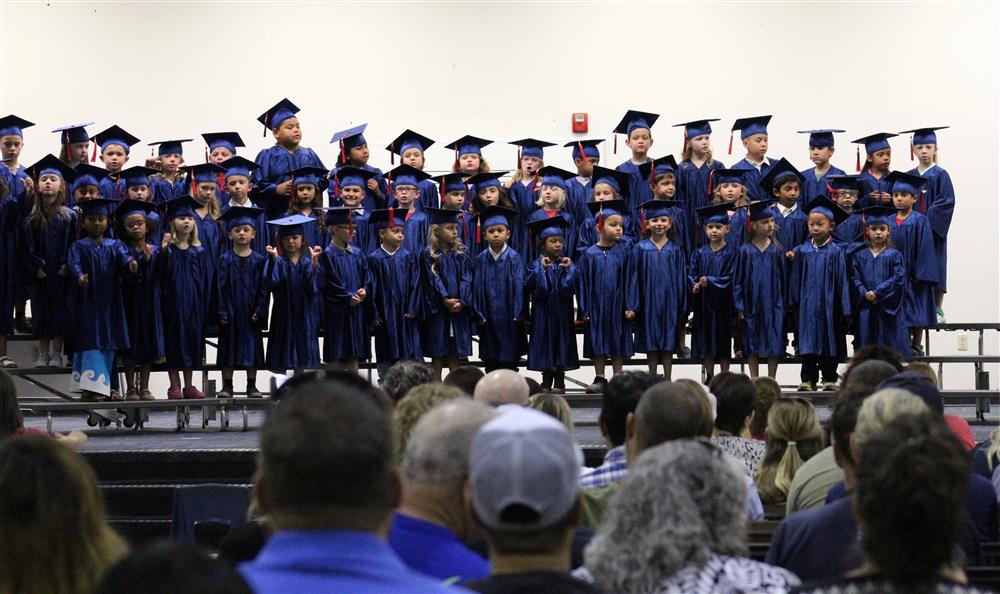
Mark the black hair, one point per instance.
(734, 395)
(168, 567)
(621, 396)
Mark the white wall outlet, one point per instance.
(963, 342)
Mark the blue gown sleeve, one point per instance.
(223, 291)
(335, 293)
(465, 280)
(632, 281)
(738, 277)
(857, 269)
(926, 265)
(517, 285)
(942, 206)
(582, 282)
(842, 286)
(567, 282)
(794, 279)
(890, 291)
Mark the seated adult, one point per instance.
(920, 379)
(678, 524)
(618, 401)
(502, 386)
(768, 392)
(734, 395)
(793, 436)
(404, 375)
(432, 522)
(326, 480)
(418, 402)
(465, 378)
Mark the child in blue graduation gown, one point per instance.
(141, 294)
(524, 189)
(274, 164)
(938, 203)
(185, 271)
(753, 133)
(242, 302)
(306, 200)
(784, 184)
(878, 281)
(605, 271)
(759, 291)
(551, 286)
(579, 189)
(913, 237)
(710, 276)
(878, 156)
(608, 184)
(819, 289)
(239, 189)
(637, 128)
(845, 190)
(406, 191)
(115, 144)
(50, 228)
(498, 292)
(446, 291)
(174, 180)
(294, 280)
(348, 191)
(96, 264)
(662, 177)
(139, 186)
(693, 172)
(354, 153)
(657, 289)
(410, 147)
(394, 295)
(551, 203)
(346, 282)
(219, 148)
(206, 179)
(9, 227)
(816, 179)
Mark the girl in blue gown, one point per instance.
(710, 276)
(878, 280)
(394, 290)
(306, 201)
(345, 284)
(693, 171)
(759, 291)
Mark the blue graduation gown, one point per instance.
(553, 335)
(939, 206)
(525, 202)
(578, 193)
(47, 251)
(819, 288)
(882, 322)
(868, 185)
(98, 311)
(9, 229)
(241, 296)
(498, 298)
(692, 189)
(447, 276)
(639, 190)
(365, 237)
(293, 339)
(586, 233)
(569, 239)
(792, 229)
(751, 181)
(759, 294)
(274, 163)
(113, 187)
(395, 277)
(657, 293)
(913, 239)
(260, 240)
(164, 190)
(430, 194)
(737, 228)
(604, 273)
(315, 235)
(345, 328)
(712, 324)
(15, 184)
(185, 290)
(370, 201)
(813, 187)
(141, 294)
(414, 232)
(849, 235)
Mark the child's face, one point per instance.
(613, 228)
(352, 195)
(242, 235)
(391, 237)
(604, 192)
(77, 151)
(469, 164)
(453, 199)
(238, 186)
(665, 187)
(206, 191)
(585, 167)
(10, 146)
(95, 225)
(342, 233)
(85, 193)
(171, 162)
(291, 244)
(448, 233)
(135, 226)
(530, 165)
(550, 197)
(845, 199)
(184, 225)
(358, 154)
(764, 228)
(881, 159)
(700, 145)
(490, 196)
(924, 152)
(878, 234)
(413, 157)
(305, 193)
(220, 154)
(658, 226)
(820, 227)
(756, 146)
(730, 191)
(405, 195)
(788, 192)
(138, 192)
(716, 232)
(640, 141)
(113, 157)
(903, 200)
(49, 184)
(497, 236)
(288, 132)
(820, 155)
(553, 246)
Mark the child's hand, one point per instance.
(629, 314)
(742, 317)
(253, 318)
(870, 296)
(133, 266)
(29, 184)
(153, 163)
(315, 252)
(546, 262)
(284, 188)
(63, 270)
(362, 294)
(703, 281)
(409, 316)
(481, 323)
(41, 274)
(355, 300)
(790, 255)
(147, 251)
(167, 238)
(83, 280)
(886, 197)
(507, 184)
(373, 186)
(565, 262)
(697, 288)
(272, 252)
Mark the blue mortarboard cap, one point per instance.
(696, 128)
(130, 206)
(821, 138)
(387, 217)
(827, 208)
(74, 133)
(924, 135)
(633, 120)
(751, 126)
(779, 173)
(229, 140)
(760, 210)
(659, 166)
(281, 111)
(554, 226)
(618, 180)
(497, 215)
(310, 175)
(468, 145)
(878, 215)
(585, 147)
(554, 176)
(531, 147)
(238, 166)
(97, 206)
(170, 147)
(353, 176)
(715, 213)
(52, 164)
(875, 142)
(12, 125)
(728, 176)
(137, 176)
(490, 179)
(182, 206)
(844, 182)
(115, 135)
(87, 175)
(241, 215)
(404, 175)
(351, 137)
(204, 172)
(658, 208)
(409, 140)
(451, 182)
(442, 216)
(292, 224)
(905, 182)
(606, 208)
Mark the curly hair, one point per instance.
(405, 375)
(679, 505)
(414, 405)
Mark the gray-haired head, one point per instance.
(502, 386)
(680, 503)
(404, 375)
(438, 450)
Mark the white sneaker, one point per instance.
(56, 360)
(42, 360)
(940, 315)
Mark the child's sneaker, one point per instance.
(829, 386)
(175, 393)
(807, 387)
(42, 360)
(193, 393)
(224, 393)
(598, 386)
(253, 392)
(146, 396)
(940, 315)
(131, 395)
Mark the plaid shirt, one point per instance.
(612, 470)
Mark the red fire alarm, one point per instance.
(580, 123)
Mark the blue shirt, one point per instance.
(434, 550)
(333, 561)
(817, 543)
(613, 469)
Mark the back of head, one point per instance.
(10, 412)
(767, 393)
(438, 450)
(464, 378)
(502, 386)
(667, 411)
(919, 386)
(326, 453)
(880, 409)
(168, 568)
(844, 419)
(680, 503)
(555, 406)
(910, 491)
(869, 374)
(405, 375)
(51, 509)
(869, 353)
(793, 436)
(924, 369)
(620, 397)
(416, 404)
(734, 394)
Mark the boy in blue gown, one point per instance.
(354, 153)
(406, 187)
(710, 276)
(878, 153)
(239, 190)
(394, 282)
(878, 280)
(302, 179)
(178, 185)
(637, 128)
(412, 148)
(274, 164)
(348, 191)
(345, 283)
(113, 186)
(620, 184)
(585, 155)
(661, 176)
(753, 133)
(559, 179)
(815, 180)
(11, 171)
(498, 292)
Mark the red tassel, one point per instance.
(616, 144)
(642, 217)
(857, 159)
(583, 155)
(519, 163)
(392, 155)
(911, 148)
(343, 153)
(829, 189)
(194, 186)
(392, 217)
(456, 157)
(711, 176)
(267, 118)
(336, 188)
(93, 155)
(652, 174)
(864, 226)
(479, 232)
(600, 220)
(685, 147)
(922, 207)
(220, 180)
(441, 201)
(350, 222)
(117, 188)
(388, 184)
(206, 154)
(730, 142)
(749, 224)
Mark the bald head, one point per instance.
(502, 386)
(438, 450)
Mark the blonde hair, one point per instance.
(717, 194)
(793, 436)
(414, 405)
(555, 406)
(192, 238)
(213, 206)
(39, 217)
(484, 167)
(434, 242)
(560, 194)
(879, 409)
(519, 174)
(923, 369)
(688, 152)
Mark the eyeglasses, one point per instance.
(134, 224)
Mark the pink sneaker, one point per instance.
(175, 393)
(193, 393)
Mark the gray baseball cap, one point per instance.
(523, 469)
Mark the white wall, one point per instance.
(509, 70)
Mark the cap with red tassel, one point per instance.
(642, 219)
(93, 155)
(911, 147)
(220, 180)
(343, 153)
(392, 217)
(534, 182)
(206, 153)
(652, 174)
(730, 142)
(456, 159)
(350, 222)
(479, 231)
(600, 220)
(711, 176)
(857, 159)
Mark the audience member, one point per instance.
(405, 375)
(502, 386)
(734, 395)
(868, 353)
(925, 387)
(618, 401)
(414, 405)
(555, 406)
(767, 392)
(465, 378)
(12, 421)
(172, 568)
(869, 374)
(793, 436)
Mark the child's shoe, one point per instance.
(193, 393)
(146, 396)
(807, 387)
(175, 393)
(132, 395)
